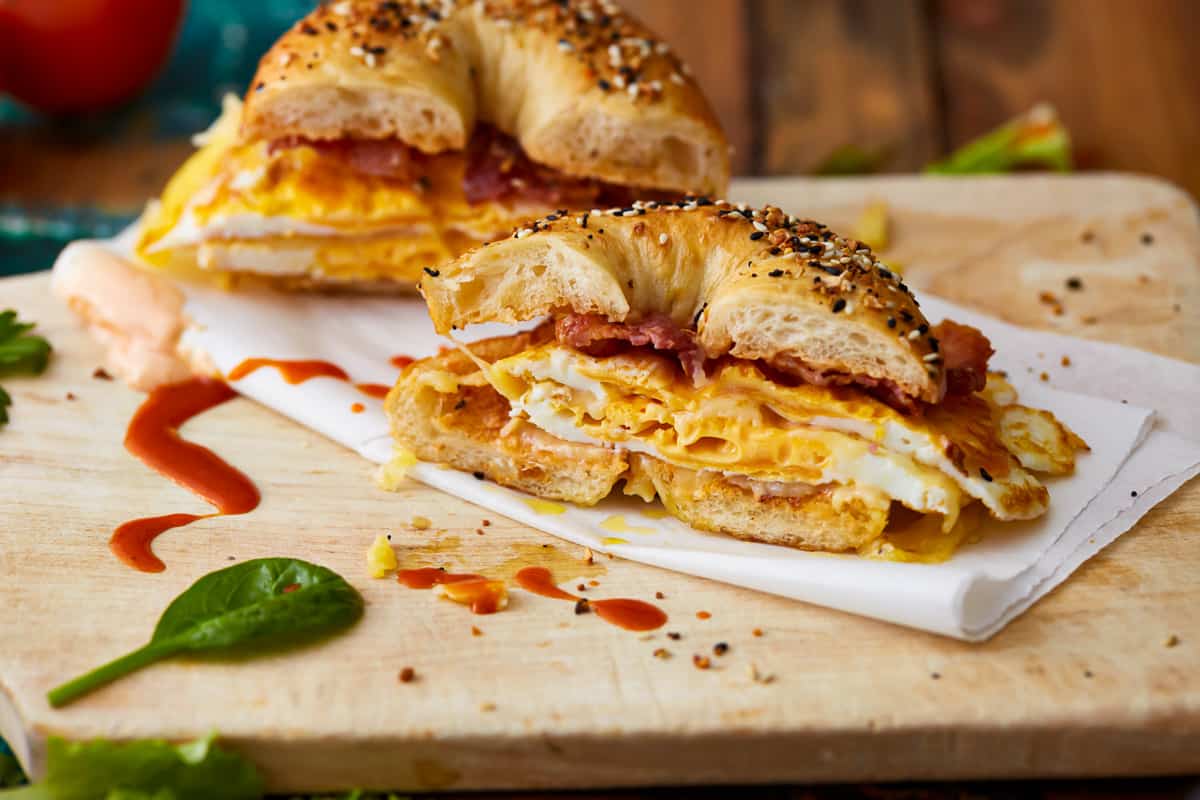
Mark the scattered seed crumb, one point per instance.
(757, 676)
(1066, 361)
(421, 523)
(581, 587)
(659, 596)
(231, 558)
(662, 653)
(720, 648)
(487, 523)
(1143, 279)
(646, 637)
(1147, 238)
(408, 675)
(674, 636)
(757, 632)
(593, 583)
(1044, 377)
(475, 631)
(1074, 284)
(1090, 320)
(71, 396)
(703, 615)
(1133, 493)
(1087, 673)
(588, 556)
(1088, 236)
(937, 676)
(701, 662)
(1171, 641)
(101, 374)
(479, 531)
(582, 607)
(487, 706)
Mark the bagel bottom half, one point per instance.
(444, 411)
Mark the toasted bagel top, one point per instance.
(751, 283)
(583, 86)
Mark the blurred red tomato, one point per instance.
(83, 55)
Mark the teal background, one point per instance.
(217, 51)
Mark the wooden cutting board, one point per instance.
(1083, 684)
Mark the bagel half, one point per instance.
(761, 375)
(425, 128)
(752, 283)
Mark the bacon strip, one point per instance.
(881, 389)
(382, 158)
(497, 169)
(965, 353)
(596, 336)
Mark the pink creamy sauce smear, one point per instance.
(135, 315)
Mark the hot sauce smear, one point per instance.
(483, 595)
(299, 371)
(153, 436)
(632, 615)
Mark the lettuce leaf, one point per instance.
(143, 770)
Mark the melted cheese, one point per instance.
(742, 423)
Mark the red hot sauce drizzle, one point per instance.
(295, 372)
(377, 390)
(153, 437)
(292, 371)
(632, 615)
(475, 590)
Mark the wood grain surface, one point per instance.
(793, 80)
(1083, 684)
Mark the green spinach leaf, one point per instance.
(19, 352)
(256, 604)
(142, 770)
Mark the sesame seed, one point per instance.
(914, 334)
(839, 304)
(663, 238)
(983, 473)
(931, 357)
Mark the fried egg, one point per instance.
(230, 195)
(742, 423)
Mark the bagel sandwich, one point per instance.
(761, 375)
(381, 137)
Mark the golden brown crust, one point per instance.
(755, 283)
(443, 410)
(820, 520)
(583, 86)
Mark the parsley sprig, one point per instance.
(20, 352)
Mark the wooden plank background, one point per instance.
(794, 79)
